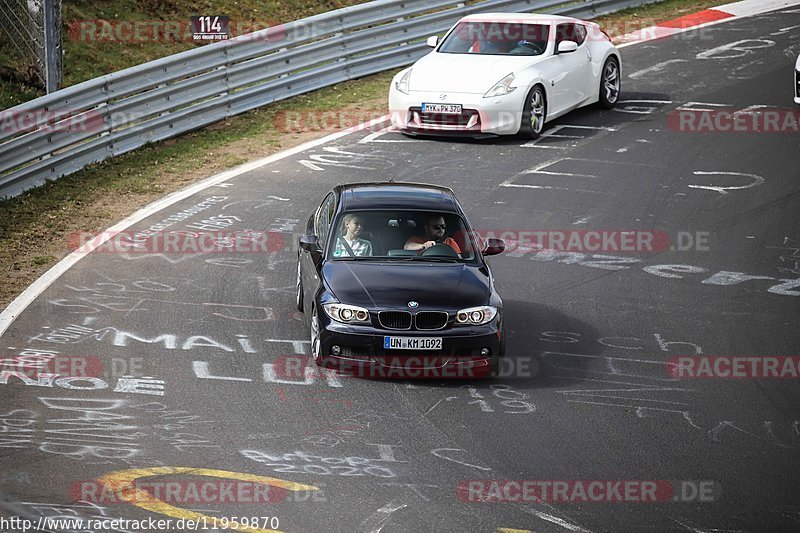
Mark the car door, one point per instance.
(572, 70)
(311, 263)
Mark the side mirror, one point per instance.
(432, 41)
(566, 47)
(494, 247)
(310, 243)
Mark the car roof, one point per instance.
(397, 195)
(540, 18)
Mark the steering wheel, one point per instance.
(441, 250)
(533, 45)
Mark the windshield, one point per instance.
(401, 236)
(497, 38)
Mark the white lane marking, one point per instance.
(693, 106)
(375, 522)
(557, 136)
(558, 521)
(550, 173)
(655, 68)
(639, 109)
(437, 453)
(533, 145)
(45, 280)
(757, 180)
(548, 187)
(754, 7)
(553, 132)
(577, 127)
(374, 137)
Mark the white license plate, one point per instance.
(412, 343)
(446, 109)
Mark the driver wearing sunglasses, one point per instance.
(435, 229)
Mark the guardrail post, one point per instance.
(51, 47)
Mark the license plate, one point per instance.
(445, 109)
(412, 343)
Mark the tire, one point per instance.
(610, 83)
(316, 344)
(299, 289)
(534, 113)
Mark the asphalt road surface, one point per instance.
(586, 395)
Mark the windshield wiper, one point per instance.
(435, 259)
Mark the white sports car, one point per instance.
(505, 73)
(797, 81)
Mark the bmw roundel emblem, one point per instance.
(412, 304)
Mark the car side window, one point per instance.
(570, 32)
(580, 34)
(324, 217)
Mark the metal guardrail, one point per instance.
(57, 134)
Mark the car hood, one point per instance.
(465, 73)
(384, 285)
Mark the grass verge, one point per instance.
(34, 226)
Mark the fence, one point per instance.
(63, 132)
(31, 31)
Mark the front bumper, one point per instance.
(362, 352)
(500, 115)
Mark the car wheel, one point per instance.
(299, 289)
(610, 83)
(535, 113)
(316, 343)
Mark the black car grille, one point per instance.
(426, 320)
(395, 319)
(467, 119)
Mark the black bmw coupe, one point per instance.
(393, 282)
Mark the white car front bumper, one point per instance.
(500, 115)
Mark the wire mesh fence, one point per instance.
(30, 37)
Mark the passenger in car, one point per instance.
(349, 244)
(434, 234)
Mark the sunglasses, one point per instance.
(438, 226)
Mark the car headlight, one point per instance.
(402, 84)
(502, 87)
(476, 316)
(347, 314)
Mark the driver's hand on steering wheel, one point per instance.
(428, 244)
